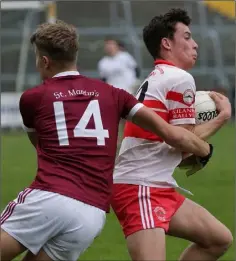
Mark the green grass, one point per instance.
(213, 188)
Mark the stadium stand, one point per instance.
(123, 19)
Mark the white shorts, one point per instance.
(62, 226)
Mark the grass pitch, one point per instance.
(213, 188)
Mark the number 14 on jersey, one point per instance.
(93, 109)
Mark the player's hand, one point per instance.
(193, 163)
(223, 105)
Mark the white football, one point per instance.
(205, 107)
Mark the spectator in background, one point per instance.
(118, 67)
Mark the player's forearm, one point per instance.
(208, 129)
(177, 137)
(187, 141)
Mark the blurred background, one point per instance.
(213, 27)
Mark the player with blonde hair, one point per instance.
(73, 122)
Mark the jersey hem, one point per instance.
(151, 185)
(144, 183)
(70, 195)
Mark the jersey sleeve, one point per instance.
(127, 103)
(27, 110)
(181, 101)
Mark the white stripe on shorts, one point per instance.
(145, 207)
(150, 208)
(141, 206)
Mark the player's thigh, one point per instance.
(86, 223)
(144, 214)
(146, 245)
(10, 247)
(194, 223)
(34, 217)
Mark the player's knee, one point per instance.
(221, 243)
(226, 240)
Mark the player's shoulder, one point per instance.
(106, 88)
(97, 83)
(170, 75)
(179, 74)
(33, 93)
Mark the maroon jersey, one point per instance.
(76, 120)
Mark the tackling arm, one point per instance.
(175, 136)
(206, 130)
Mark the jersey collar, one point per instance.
(160, 61)
(66, 73)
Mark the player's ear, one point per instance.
(45, 61)
(165, 42)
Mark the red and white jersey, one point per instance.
(76, 119)
(144, 159)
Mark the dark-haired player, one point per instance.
(144, 196)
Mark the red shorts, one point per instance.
(139, 207)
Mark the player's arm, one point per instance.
(175, 136)
(182, 108)
(144, 117)
(182, 114)
(208, 129)
(26, 105)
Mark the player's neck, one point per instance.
(173, 61)
(68, 69)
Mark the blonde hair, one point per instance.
(58, 41)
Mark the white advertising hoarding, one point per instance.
(10, 114)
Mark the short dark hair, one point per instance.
(57, 40)
(163, 26)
